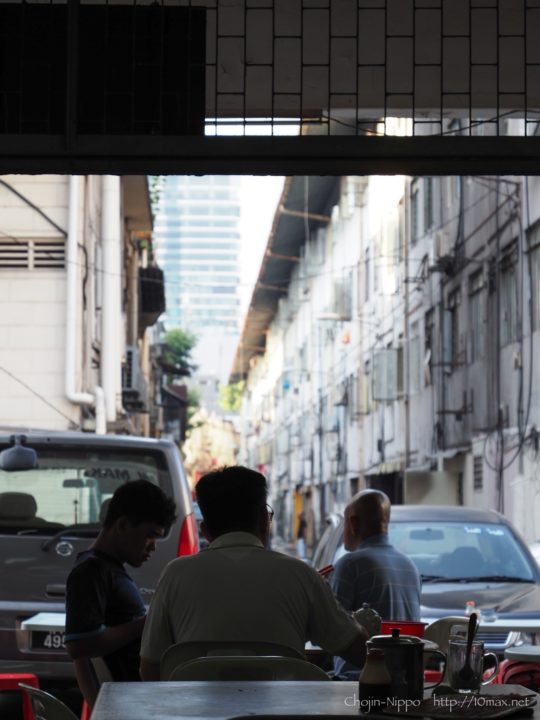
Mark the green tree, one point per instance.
(230, 396)
(177, 353)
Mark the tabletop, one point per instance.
(167, 700)
(222, 700)
(526, 653)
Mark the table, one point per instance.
(222, 700)
(525, 653)
(45, 622)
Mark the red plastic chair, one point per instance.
(10, 681)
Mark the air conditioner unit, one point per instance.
(134, 389)
(441, 244)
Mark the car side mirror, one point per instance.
(18, 457)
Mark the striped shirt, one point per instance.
(379, 574)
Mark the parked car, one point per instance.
(51, 512)
(535, 551)
(203, 542)
(463, 554)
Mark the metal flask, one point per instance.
(404, 657)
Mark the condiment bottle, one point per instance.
(470, 608)
(374, 683)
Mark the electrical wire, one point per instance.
(38, 395)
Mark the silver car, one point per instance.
(465, 556)
(52, 512)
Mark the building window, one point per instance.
(415, 361)
(415, 211)
(477, 315)
(508, 297)
(534, 248)
(478, 472)
(451, 346)
(366, 275)
(430, 343)
(428, 203)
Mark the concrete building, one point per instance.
(399, 352)
(77, 292)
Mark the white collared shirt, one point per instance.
(237, 590)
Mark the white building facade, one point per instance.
(71, 251)
(401, 354)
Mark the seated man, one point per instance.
(105, 613)
(237, 589)
(375, 572)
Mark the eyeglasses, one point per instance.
(270, 512)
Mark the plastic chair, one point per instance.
(11, 681)
(46, 706)
(249, 667)
(440, 630)
(181, 653)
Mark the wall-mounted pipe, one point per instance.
(73, 309)
(111, 351)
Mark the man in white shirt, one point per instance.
(237, 589)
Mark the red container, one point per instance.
(405, 627)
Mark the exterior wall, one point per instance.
(32, 310)
(439, 362)
(301, 419)
(33, 297)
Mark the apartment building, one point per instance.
(401, 349)
(78, 289)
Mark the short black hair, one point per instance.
(141, 501)
(232, 499)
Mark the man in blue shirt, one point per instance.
(374, 572)
(105, 613)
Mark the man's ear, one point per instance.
(354, 524)
(123, 524)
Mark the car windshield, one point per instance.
(71, 486)
(462, 551)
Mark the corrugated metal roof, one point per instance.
(291, 220)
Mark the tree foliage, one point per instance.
(230, 396)
(178, 346)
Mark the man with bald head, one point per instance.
(374, 572)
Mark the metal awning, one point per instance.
(288, 235)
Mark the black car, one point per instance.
(463, 555)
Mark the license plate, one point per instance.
(50, 641)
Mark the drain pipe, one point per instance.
(112, 288)
(72, 307)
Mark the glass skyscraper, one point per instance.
(197, 238)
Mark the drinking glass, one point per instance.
(468, 678)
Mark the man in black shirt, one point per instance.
(105, 613)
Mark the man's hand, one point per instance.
(355, 653)
(326, 571)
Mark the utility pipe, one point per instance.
(112, 288)
(72, 309)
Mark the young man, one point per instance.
(105, 613)
(375, 572)
(237, 589)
